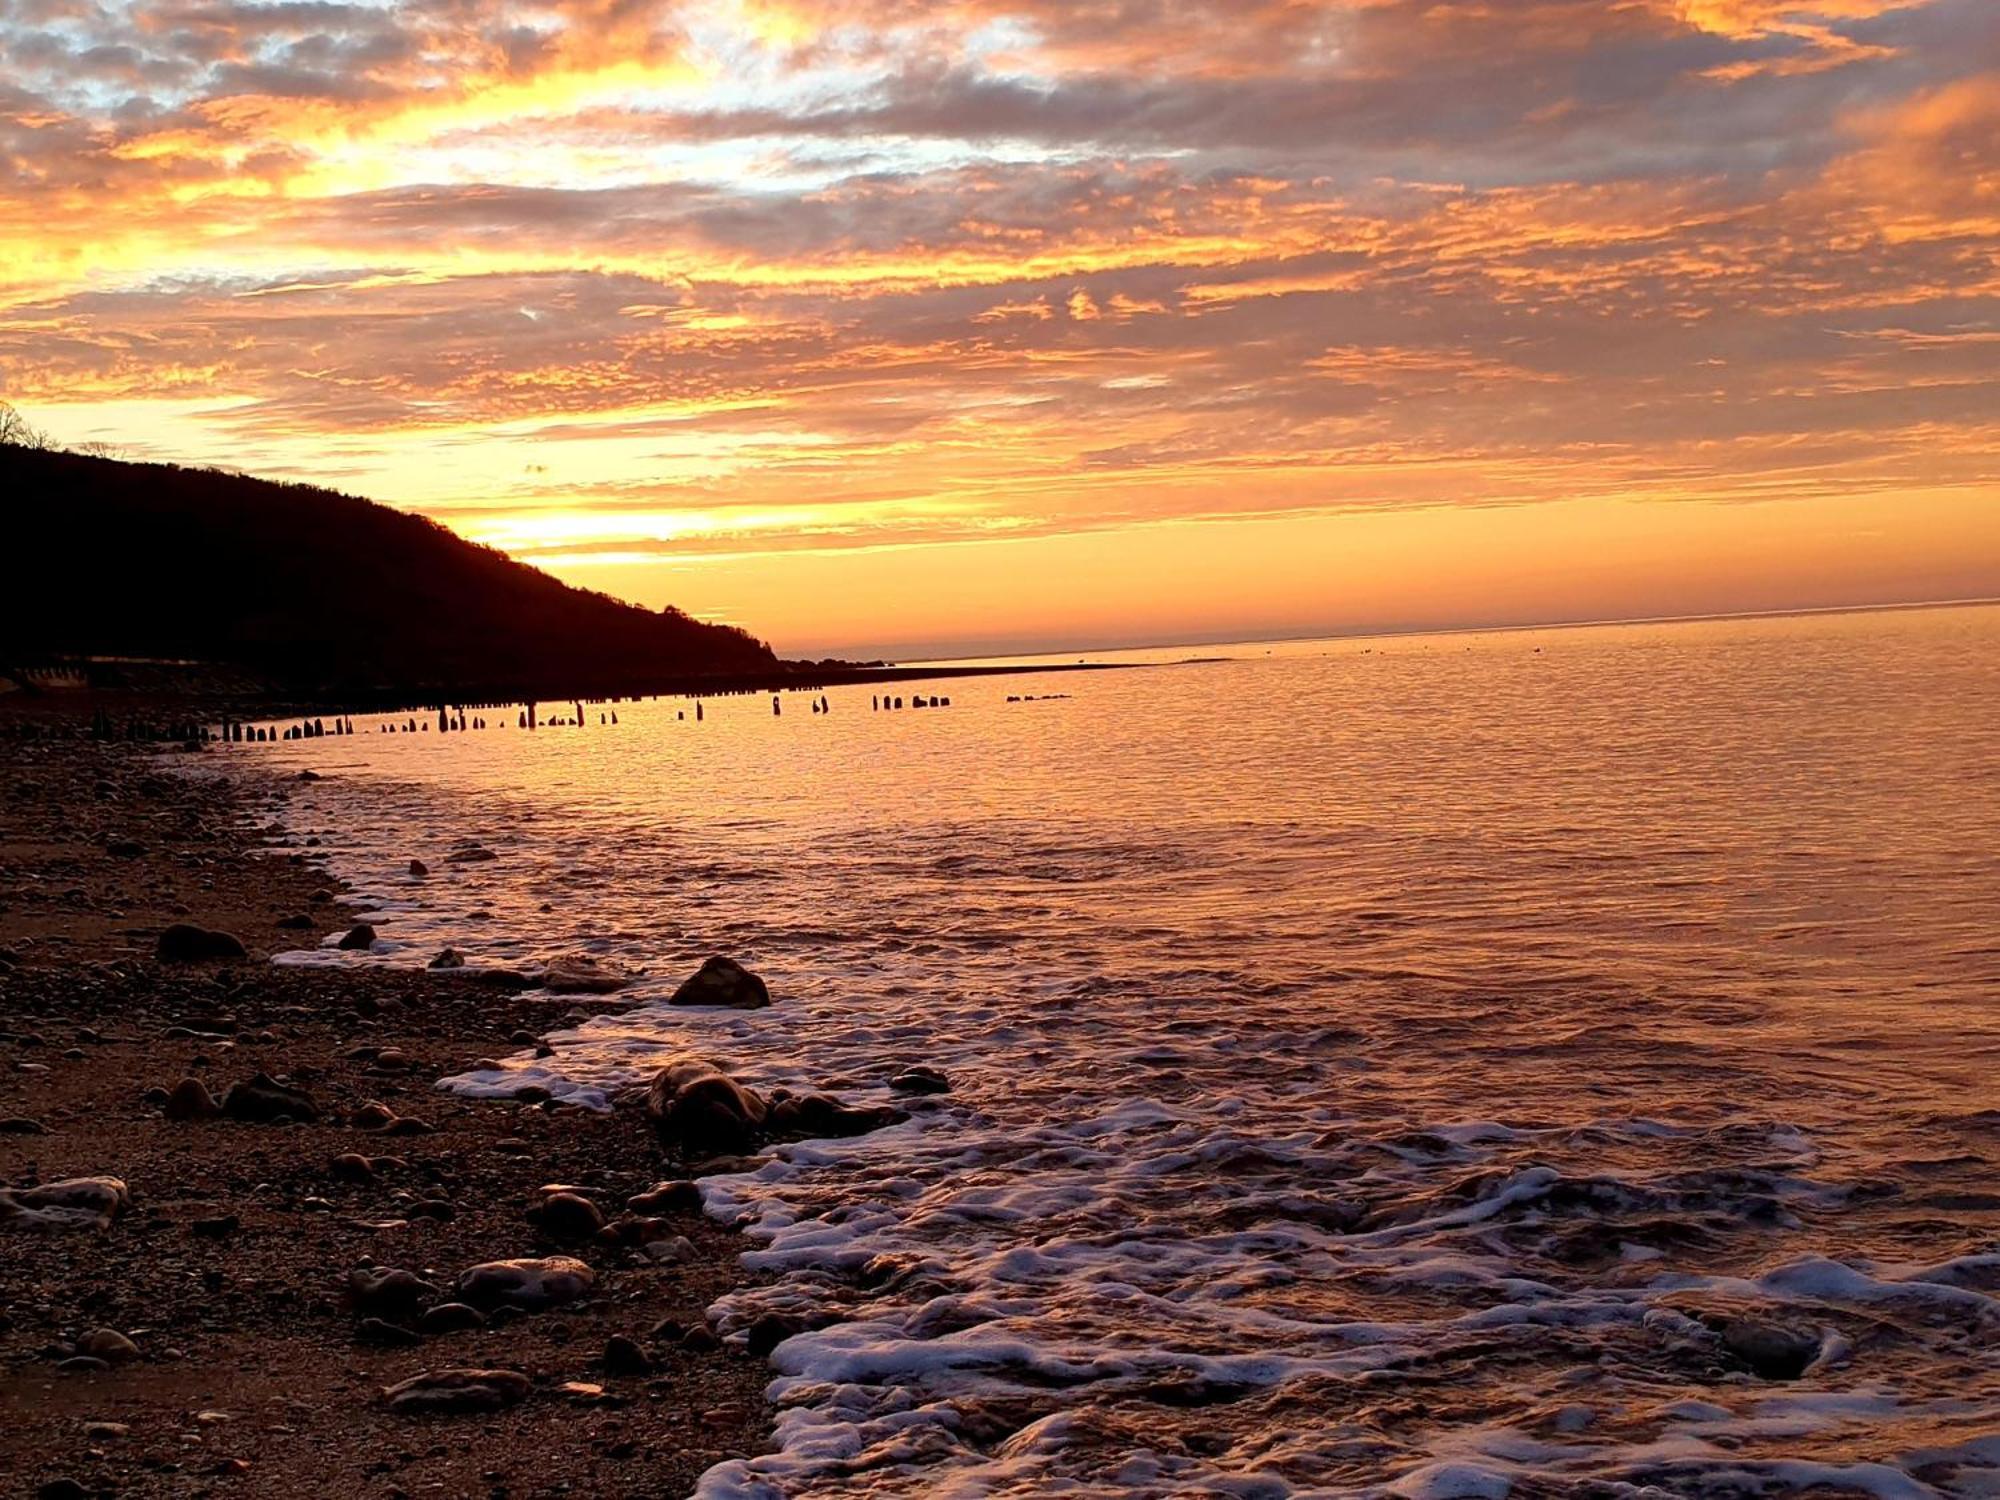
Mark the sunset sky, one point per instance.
(896, 326)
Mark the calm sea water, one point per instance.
(1380, 1067)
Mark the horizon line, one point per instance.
(1404, 633)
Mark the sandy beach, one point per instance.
(215, 1336)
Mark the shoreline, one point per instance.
(250, 1359)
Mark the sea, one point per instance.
(1556, 1062)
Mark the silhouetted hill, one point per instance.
(313, 591)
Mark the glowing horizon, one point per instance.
(881, 326)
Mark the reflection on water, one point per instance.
(1539, 1063)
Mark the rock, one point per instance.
(700, 1339)
(668, 1251)
(450, 1392)
(109, 1345)
(470, 854)
(393, 1060)
(22, 1125)
(918, 1079)
(450, 958)
(451, 1317)
(61, 1489)
(418, 869)
(219, 1227)
(723, 981)
(568, 1217)
(262, 1100)
(191, 1100)
(296, 922)
(385, 1334)
(186, 943)
(623, 1356)
(580, 975)
(667, 1198)
(526, 1284)
(770, 1331)
(359, 938)
(372, 1115)
(822, 1115)
(75, 1203)
(409, 1125)
(387, 1290)
(351, 1166)
(532, 1093)
(695, 1109)
(82, 1364)
(1770, 1350)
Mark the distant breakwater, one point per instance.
(158, 713)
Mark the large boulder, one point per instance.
(186, 943)
(697, 1110)
(723, 981)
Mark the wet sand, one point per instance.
(251, 1371)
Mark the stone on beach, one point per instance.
(451, 1317)
(418, 869)
(448, 958)
(388, 1289)
(470, 854)
(359, 938)
(724, 982)
(567, 1216)
(579, 974)
(695, 1108)
(529, 1285)
(624, 1356)
(372, 1115)
(191, 1100)
(264, 1100)
(184, 942)
(75, 1203)
(451, 1392)
(107, 1344)
(667, 1198)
